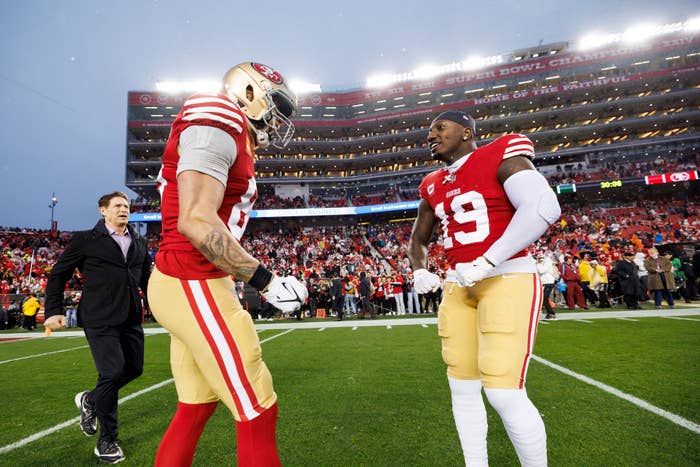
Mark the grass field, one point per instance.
(378, 396)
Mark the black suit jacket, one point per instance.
(110, 284)
(627, 273)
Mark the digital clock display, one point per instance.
(611, 184)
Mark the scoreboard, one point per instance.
(655, 179)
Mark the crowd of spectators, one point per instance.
(600, 233)
(317, 201)
(279, 202)
(145, 204)
(27, 258)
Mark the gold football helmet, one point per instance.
(265, 98)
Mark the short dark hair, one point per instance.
(104, 200)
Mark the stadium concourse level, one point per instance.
(379, 248)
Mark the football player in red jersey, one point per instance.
(207, 187)
(492, 204)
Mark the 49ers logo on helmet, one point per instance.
(268, 72)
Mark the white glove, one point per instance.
(286, 294)
(425, 281)
(470, 273)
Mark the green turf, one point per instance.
(379, 397)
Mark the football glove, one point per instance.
(425, 281)
(286, 294)
(470, 273)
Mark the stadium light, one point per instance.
(637, 34)
(378, 81)
(430, 71)
(52, 206)
(303, 87)
(692, 25)
(425, 72)
(595, 40)
(641, 33)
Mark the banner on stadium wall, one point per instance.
(505, 96)
(671, 177)
(546, 64)
(275, 213)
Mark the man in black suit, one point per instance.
(114, 261)
(365, 293)
(626, 272)
(336, 292)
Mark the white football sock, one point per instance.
(470, 417)
(523, 423)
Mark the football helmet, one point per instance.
(263, 95)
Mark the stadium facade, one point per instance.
(583, 109)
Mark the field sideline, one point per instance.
(604, 381)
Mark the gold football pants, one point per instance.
(215, 352)
(488, 330)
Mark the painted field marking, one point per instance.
(628, 319)
(682, 319)
(42, 354)
(74, 421)
(677, 419)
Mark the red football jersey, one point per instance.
(470, 204)
(176, 256)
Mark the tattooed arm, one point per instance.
(200, 197)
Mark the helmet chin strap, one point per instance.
(262, 139)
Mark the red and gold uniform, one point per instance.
(215, 351)
(177, 256)
(488, 330)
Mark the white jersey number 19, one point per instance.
(478, 214)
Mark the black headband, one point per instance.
(459, 118)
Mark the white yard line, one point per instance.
(53, 352)
(683, 319)
(677, 419)
(583, 321)
(42, 354)
(627, 319)
(73, 421)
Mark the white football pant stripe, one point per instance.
(223, 349)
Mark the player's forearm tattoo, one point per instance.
(223, 250)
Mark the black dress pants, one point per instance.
(118, 355)
(547, 292)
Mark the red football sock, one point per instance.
(257, 442)
(180, 441)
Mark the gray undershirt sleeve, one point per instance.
(208, 150)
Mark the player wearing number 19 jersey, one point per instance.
(491, 204)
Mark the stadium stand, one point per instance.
(615, 131)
